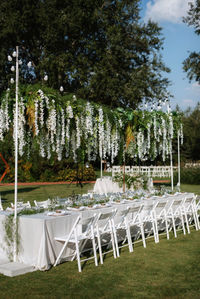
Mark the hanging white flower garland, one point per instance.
(63, 130)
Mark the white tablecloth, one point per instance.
(106, 185)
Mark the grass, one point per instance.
(41, 192)
(169, 269)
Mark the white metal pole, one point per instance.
(171, 164)
(179, 164)
(101, 168)
(16, 151)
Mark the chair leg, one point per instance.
(187, 224)
(77, 253)
(183, 224)
(174, 226)
(167, 229)
(115, 237)
(128, 233)
(112, 240)
(94, 248)
(143, 236)
(99, 246)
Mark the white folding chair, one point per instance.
(134, 218)
(22, 205)
(105, 227)
(42, 204)
(147, 216)
(189, 210)
(175, 212)
(82, 231)
(130, 218)
(160, 215)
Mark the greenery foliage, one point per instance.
(189, 176)
(11, 236)
(132, 182)
(99, 50)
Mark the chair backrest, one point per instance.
(160, 208)
(42, 204)
(86, 224)
(134, 213)
(176, 205)
(104, 219)
(21, 204)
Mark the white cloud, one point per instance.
(167, 10)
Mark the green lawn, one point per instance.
(170, 269)
(41, 192)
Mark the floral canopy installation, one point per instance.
(68, 127)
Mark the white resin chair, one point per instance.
(82, 231)
(149, 222)
(42, 204)
(22, 205)
(160, 211)
(131, 217)
(105, 227)
(189, 210)
(175, 213)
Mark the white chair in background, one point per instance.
(105, 227)
(22, 205)
(42, 204)
(82, 231)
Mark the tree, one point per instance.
(191, 65)
(191, 123)
(98, 49)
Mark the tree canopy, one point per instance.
(191, 65)
(99, 50)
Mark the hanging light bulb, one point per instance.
(9, 58)
(29, 64)
(12, 80)
(61, 89)
(20, 62)
(14, 54)
(12, 68)
(87, 165)
(8, 89)
(108, 164)
(74, 97)
(45, 77)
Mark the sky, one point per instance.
(180, 40)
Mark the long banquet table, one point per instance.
(37, 232)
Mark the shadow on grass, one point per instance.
(20, 190)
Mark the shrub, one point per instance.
(189, 176)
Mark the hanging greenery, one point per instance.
(67, 126)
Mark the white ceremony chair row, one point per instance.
(106, 228)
